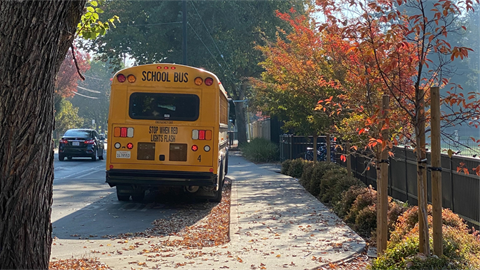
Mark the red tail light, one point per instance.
(208, 81)
(123, 132)
(63, 141)
(121, 78)
(89, 141)
(201, 134)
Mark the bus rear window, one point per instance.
(160, 106)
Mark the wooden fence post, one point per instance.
(436, 172)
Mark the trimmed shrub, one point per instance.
(319, 170)
(296, 168)
(395, 210)
(409, 219)
(367, 196)
(329, 181)
(460, 249)
(260, 150)
(342, 185)
(307, 174)
(286, 166)
(366, 221)
(342, 208)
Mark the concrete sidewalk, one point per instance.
(274, 223)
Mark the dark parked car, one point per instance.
(81, 143)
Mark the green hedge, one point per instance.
(260, 150)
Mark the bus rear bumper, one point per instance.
(160, 178)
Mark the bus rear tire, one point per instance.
(123, 197)
(138, 196)
(217, 194)
(226, 164)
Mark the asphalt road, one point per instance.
(84, 206)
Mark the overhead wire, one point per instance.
(206, 28)
(76, 93)
(89, 90)
(214, 58)
(213, 40)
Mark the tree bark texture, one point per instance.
(35, 36)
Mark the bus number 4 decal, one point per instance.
(199, 158)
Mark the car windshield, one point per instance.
(78, 133)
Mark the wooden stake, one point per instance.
(382, 184)
(436, 172)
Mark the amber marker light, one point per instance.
(131, 78)
(198, 81)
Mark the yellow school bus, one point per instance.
(167, 126)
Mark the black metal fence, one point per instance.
(460, 192)
(292, 147)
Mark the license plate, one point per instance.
(76, 143)
(123, 154)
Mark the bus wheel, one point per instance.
(121, 196)
(226, 164)
(217, 194)
(138, 196)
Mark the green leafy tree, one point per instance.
(218, 39)
(67, 117)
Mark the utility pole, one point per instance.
(184, 32)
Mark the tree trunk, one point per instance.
(329, 146)
(424, 244)
(240, 120)
(35, 37)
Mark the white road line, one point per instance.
(79, 174)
